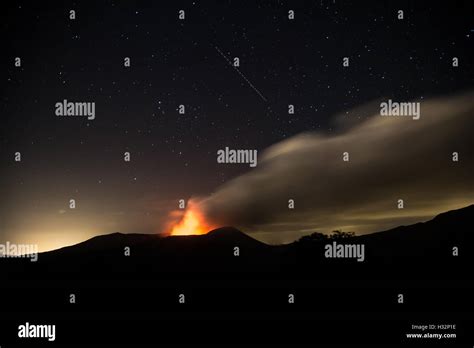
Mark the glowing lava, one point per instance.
(192, 222)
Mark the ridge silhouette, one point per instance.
(403, 251)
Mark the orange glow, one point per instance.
(193, 222)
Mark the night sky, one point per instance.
(173, 62)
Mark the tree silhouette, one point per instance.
(337, 234)
(317, 237)
(313, 238)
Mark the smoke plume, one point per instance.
(390, 158)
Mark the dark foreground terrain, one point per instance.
(179, 288)
(416, 251)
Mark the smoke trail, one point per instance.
(390, 158)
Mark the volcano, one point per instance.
(428, 246)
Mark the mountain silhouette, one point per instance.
(427, 246)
